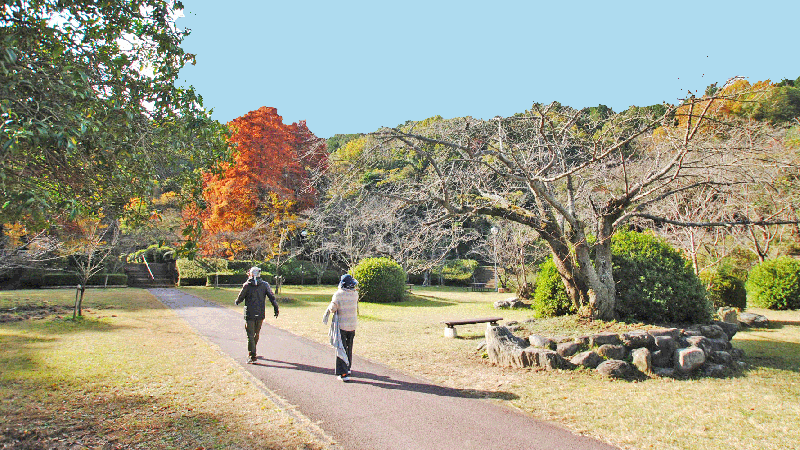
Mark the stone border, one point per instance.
(668, 352)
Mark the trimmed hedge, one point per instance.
(71, 279)
(227, 278)
(189, 269)
(380, 280)
(725, 289)
(775, 284)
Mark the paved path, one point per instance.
(379, 408)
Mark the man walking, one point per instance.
(254, 293)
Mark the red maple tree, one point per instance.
(264, 187)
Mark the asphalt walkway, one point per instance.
(380, 408)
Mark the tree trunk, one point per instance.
(603, 292)
(78, 311)
(573, 283)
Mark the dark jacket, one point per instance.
(253, 293)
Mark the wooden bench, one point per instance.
(450, 331)
(479, 287)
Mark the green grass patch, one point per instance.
(128, 374)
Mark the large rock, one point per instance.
(605, 338)
(567, 349)
(713, 331)
(666, 344)
(662, 359)
(753, 320)
(721, 357)
(512, 303)
(688, 359)
(700, 342)
(716, 370)
(541, 342)
(610, 351)
(588, 359)
(615, 368)
(728, 315)
(642, 359)
(674, 333)
(637, 339)
(505, 349)
(547, 359)
(730, 329)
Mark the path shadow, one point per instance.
(386, 382)
(778, 324)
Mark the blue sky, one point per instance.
(354, 66)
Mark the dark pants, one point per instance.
(347, 341)
(253, 328)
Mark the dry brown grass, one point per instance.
(130, 374)
(756, 409)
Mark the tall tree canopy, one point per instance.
(265, 186)
(90, 116)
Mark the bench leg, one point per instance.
(450, 332)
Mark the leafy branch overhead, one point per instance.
(91, 115)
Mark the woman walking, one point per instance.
(344, 307)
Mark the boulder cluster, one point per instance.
(668, 352)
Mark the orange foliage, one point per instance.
(731, 100)
(265, 185)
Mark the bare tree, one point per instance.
(88, 243)
(569, 174)
(21, 249)
(350, 231)
(513, 247)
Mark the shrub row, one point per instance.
(197, 272)
(457, 272)
(69, 279)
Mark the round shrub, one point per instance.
(775, 284)
(725, 289)
(654, 282)
(380, 280)
(550, 297)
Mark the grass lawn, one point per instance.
(129, 374)
(756, 409)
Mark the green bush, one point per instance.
(297, 271)
(380, 280)
(212, 279)
(724, 289)
(654, 282)
(775, 284)
(550, 298)
(153, 254)
(189, 268)
(457, 272)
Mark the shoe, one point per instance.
(251, 361)
(344, 378)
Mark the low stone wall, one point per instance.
(668, 352)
